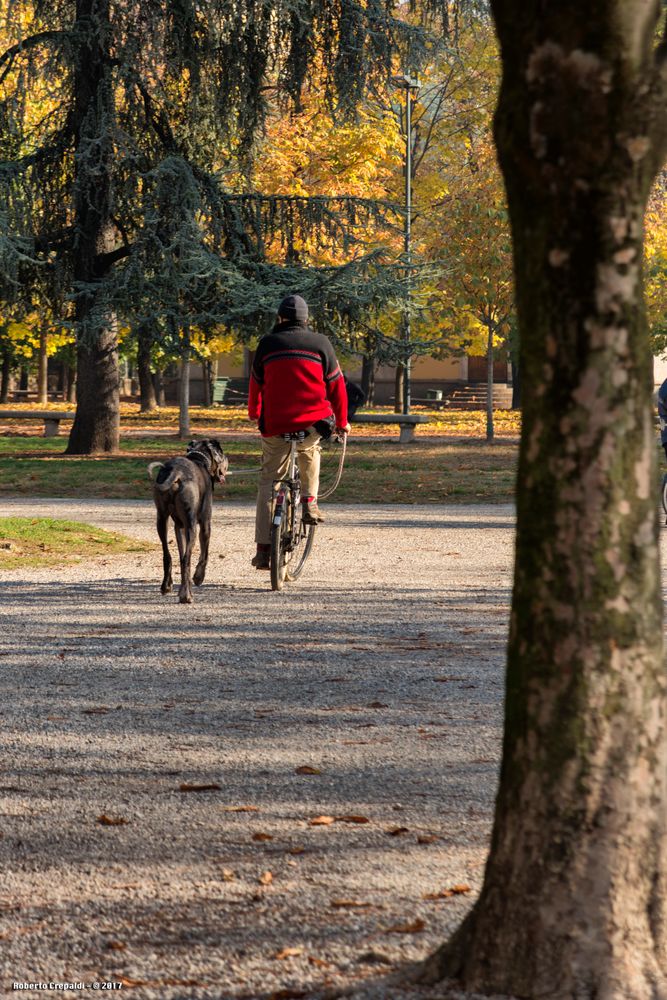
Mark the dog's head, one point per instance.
(211, 451)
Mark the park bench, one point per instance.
(406, 421)
(51, 418)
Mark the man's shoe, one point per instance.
(262, 560)
(311, 512)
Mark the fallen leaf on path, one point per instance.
(307, 769)
(266, 878)
(396, 831)
(116, 946)
(377, 704)
(352, 819)
(262, 836)
(228, 875)
(105, 820)
(427, 838)
(288, 994)
(288, 953)
(242, 809)
(322, 821)
(213, 786)
(416, 927)
(299, 849)
(97, 710)
(319, 962)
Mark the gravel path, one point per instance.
(381, 670)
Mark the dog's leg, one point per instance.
(163, 530)
(204, 540)
(188, 534)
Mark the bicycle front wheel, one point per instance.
(303, 536)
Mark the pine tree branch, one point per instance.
(9, 55)
(62, 239)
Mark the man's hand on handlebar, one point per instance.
(343, 430)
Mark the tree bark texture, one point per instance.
(489, 384)
(146, 386)
(42, 365)
(184, 390)
(6, 375)
(97, 422)
(399, 388)
(573, 900)
(368, 378)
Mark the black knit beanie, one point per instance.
(294, 309)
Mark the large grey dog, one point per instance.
(183, 490)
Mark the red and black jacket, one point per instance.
(295, 380)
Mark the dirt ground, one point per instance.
(259, 795)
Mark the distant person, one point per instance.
(662, 413)
(295, 384)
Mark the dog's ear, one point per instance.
(192, 446)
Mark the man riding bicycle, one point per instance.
(295, 384)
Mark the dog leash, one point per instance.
(323, 496)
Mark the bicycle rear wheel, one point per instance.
(279, 534)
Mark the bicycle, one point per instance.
(663, 495)
(291, 539)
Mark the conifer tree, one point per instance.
(105, 101)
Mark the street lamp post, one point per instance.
(409, 84)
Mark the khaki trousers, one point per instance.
(275, 463)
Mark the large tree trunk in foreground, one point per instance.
(573, 901)
(96, 425)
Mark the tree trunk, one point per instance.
(70, 387)
(146, 386)
(398, 389)
(368, 378)
(184, 389)
(42, 363)
(158, 383)
(207, 372)
(489, 384)
(5, 379)
(573, 901)
(516, 382)
(24, 378)
(96, 425)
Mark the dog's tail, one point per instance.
(152, 467)
(171, 482)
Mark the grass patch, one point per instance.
(44, 541)
(431, 470)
